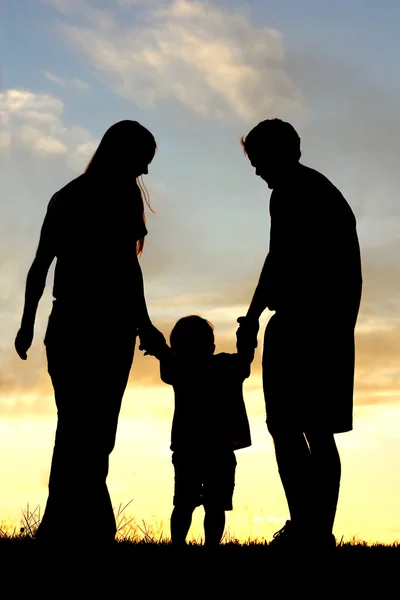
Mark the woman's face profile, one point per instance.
(141, 169)
(141, 163)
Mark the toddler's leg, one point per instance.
(214, 524)
(187, 494)
(219, 483)
(326, 472)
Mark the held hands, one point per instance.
(23, 341)
(246, 334)
(152, 341)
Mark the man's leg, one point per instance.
(325, 477)
(214, 525)
(294, 463)
(181, 519)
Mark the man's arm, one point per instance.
(35, 284)
(245, 353)
(249, 325)
(262, 295)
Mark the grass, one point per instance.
(141, 541)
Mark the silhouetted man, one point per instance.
(312, 280)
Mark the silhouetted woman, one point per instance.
(95, 228)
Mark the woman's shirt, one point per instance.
(93, 228)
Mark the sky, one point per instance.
(200, 75)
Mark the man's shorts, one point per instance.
(308, 375)
(204, 478)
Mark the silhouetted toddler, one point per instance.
(209, 423)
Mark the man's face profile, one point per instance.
(265, 167)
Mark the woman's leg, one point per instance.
(88, 395)
(325, 479)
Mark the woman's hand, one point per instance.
(23, 341)
(151, 340)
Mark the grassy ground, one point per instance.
(140, 542)
(230, 550)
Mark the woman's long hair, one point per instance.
(124, 145)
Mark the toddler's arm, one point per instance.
(165, 356)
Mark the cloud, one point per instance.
(352, 130)
(33, 122)
(214, 61)
(378, 355)
(67, 81)
(50, 145)
(33, 138)
(30, 107)
(54, 78)
(80, 84)
(381, 288)
(67, 6)
(82, 154)
(128, 3)
(98, 17)
(5, 140)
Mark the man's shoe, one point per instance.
(286, 538)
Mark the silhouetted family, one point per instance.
(311, 280)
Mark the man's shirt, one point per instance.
(314, 256)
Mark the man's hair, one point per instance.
(281, 137)
(194, 328)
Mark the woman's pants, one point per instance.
(89, 381)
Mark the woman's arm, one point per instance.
(151, 339)
(35, 284)
(140, 304)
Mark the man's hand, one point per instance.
(151, 340)
(246, 334)
(23, 341)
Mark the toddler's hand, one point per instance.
(151, 340)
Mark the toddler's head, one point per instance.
(193, 336)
